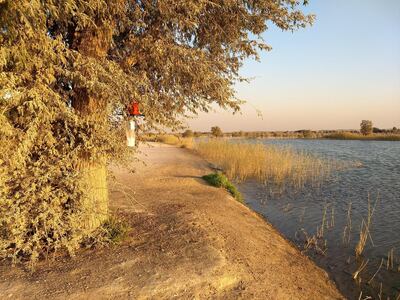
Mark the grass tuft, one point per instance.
(115, 230)
(220, 180)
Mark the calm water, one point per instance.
(296, 212)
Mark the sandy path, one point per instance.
(189, 240)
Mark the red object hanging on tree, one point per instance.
(134, 109)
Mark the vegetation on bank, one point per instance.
(241, 161)
(220, 180)
(358, 136)
(366, 132)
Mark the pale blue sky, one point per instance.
(343, 69)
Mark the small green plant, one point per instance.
(115, 230)
(220, 180)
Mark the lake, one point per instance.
(345, 196)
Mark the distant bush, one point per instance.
(220, 180)
(188, 133)
(377, 130)
(216, 131)
(366, 127)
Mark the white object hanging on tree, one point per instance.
(131, 133)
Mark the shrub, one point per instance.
(216, 131)
(366, 127)
(188, 133)
(220, 180)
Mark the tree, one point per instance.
(366, 127)
(216, 131)
(68, 70)
(377, 130)
(188, 133)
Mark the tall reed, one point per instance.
(365, 229)
(242, 161)
(347, 228)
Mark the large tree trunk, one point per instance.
(95, 203)
(93, 174)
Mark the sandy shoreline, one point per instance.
(189, 240)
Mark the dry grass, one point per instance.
(357, 136)
(360, 268)
(365, 229)
(347, 228)
(241, 161)
(320, 230)
(170, 139)
(313, 242)
(390, 260)
(377, 271)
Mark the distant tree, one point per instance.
(197, 134)
(188, 133)
(366, 127)
(216, 131)
(377, 130)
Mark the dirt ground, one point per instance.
(188, 241)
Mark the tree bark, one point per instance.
(92, 43)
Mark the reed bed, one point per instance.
(241, 161)
(358, 136)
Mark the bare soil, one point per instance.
(188, 241)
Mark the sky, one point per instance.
(343, 69)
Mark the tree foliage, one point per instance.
(366, 127)
(69, 68)
(216, 131)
